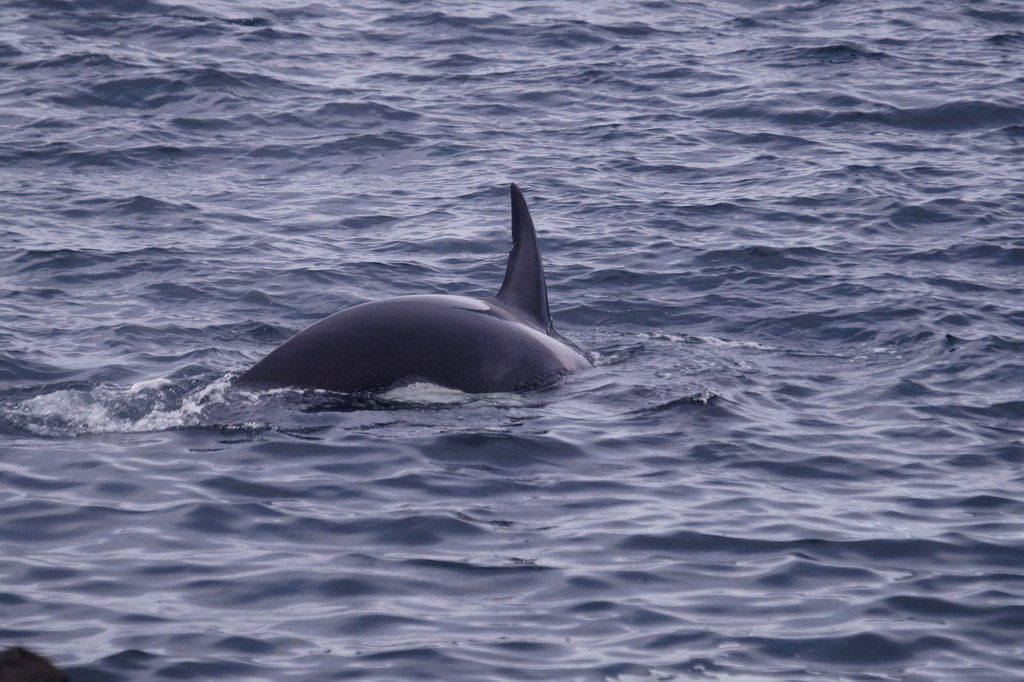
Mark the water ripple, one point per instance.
(789, 232)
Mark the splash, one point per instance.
(154, 405)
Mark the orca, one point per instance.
(503, 343)
(18, 664)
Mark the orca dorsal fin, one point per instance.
(523, 289)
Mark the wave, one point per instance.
(76, 409)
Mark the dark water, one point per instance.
(792, 231)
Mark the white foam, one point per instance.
(711, 341)
(728, 343)
(106, 408)
(149, 384)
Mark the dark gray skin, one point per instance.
(504, 343)
(21, 665)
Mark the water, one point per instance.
(790, 230)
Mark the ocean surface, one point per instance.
(791, 231)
